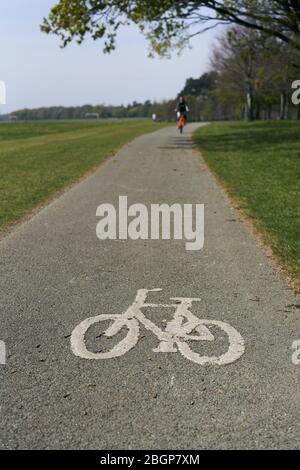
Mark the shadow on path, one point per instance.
(181, 142)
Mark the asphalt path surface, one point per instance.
(55, 273)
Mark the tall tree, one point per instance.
(255, 69)
(169, 23)
(235, 59)
(200, 86)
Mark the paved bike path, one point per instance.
(54, 273)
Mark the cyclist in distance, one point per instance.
(182, 109)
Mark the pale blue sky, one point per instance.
(38, 73)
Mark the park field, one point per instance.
(39, 159)
(259, 165)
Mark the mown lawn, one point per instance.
(37, 159)
(259, 163)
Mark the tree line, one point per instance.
(250, 77)
(252, 66)
(88, 111)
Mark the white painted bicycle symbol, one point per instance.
(180, 331)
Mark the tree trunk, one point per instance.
(283, 103)
(286, 113)
(249, 114)
(269, 111)
(257, 113)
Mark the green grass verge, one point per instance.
(259, 164)
(38, 159)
